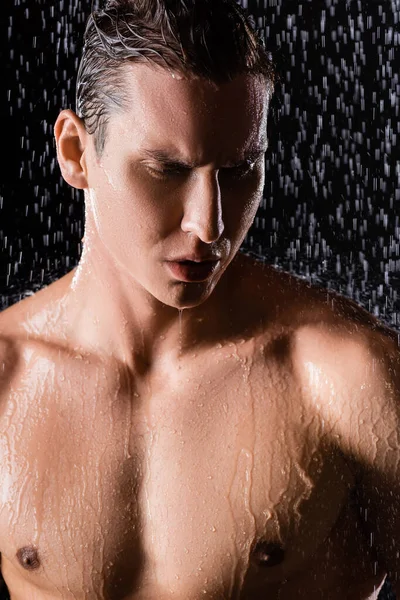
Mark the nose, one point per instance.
(203, 210)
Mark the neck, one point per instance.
(110, 313)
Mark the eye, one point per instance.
(165, 172)
(240, 172)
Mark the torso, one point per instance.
(219, 482)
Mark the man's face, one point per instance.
(182, 173)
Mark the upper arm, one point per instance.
(375, 453)
(355, 385)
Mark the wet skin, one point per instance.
(152, 453)
(220, 478)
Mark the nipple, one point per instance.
(28, 558)
(267, 554)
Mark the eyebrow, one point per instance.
(173, 160)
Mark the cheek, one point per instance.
(127, 195)
(154, 206)
(242, 204)
(255, 193)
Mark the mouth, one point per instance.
(193, 258)
(188, 270)
(194, 262)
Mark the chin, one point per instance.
(193, 299)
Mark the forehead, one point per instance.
(198, 116)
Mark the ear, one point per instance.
(71, 141)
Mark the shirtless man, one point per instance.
(180, 431)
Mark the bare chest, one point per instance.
(215, 482)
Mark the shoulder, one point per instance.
(23, 337)
(11, 344)
(10, 360)
(322, 326)
(34, 320)
(332, 340)
(349, 366)
(343, 338)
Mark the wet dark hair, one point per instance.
(211, 39)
